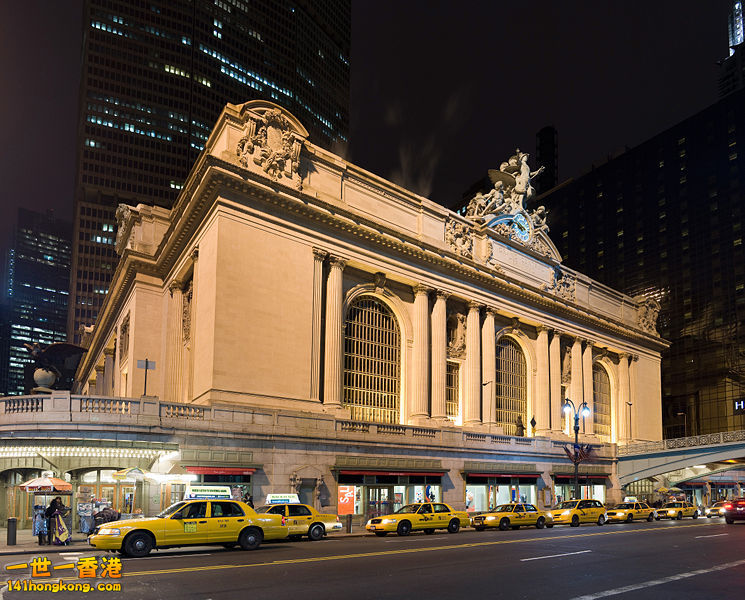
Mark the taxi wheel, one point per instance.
(575, 521)
(657, 518)
(138, 545)
(381, 533)
(630, 518)
(404, 528)
(680, 516)
(504, 524)
(454, 526)
(650, 517)
(540, 523)
(316, 532)
(729, 521)
(250, 538)
(429, 531)
(549, 525)
(695, 514)
(601, 520)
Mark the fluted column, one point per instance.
(622, 408)
(473, 365)
(334, 367)
(100, 389)
(439, 355)
(193, 307)
(587, 386)
(488, 368)
(315, 348)
(419, 408)
(542, 395)
(92, 386)
(557, 400)
(175, 343)
(576, 388)
(108, 371)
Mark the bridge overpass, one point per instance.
(682, 459)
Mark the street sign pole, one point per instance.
(148, 365)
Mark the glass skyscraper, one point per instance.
(155, 76)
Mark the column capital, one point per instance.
(635, 357)
(586, 342)
(338, 262)
(492, 312)
(109, 351)
(421, 289)
(175, 286)
(442, 294)
(539, 329)
(624, 355)
(473, 305)
(194, 254)
(319, 254)
(99, 368)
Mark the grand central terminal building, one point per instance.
(296, 323)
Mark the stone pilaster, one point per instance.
(334, 367)
(108, 371)
(315, 349)
(576, 388)
(622, 408)
(100, 388)
(557, 400)
(439, 355)
(193, 324)
(472, 403)
(488, 368)
(587, 386)
(543, 392)
(175, 344)
(419, 408)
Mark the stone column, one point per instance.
(472, 410)
(175, 343)
(557, 400)
(622, 408)
(439, 355)
(100, 388)
(488, 368)
(92, 387)
(315, 348)
(419, 408)
(543, 391)
(576, 389)
(334, 368)
(587, 386)
(193, 324)
(108, 371)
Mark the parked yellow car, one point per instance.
(187, 523)
(512, 515)
(715, 510)
(574, 512)
(426, 516)
(677, 510)
(303, 519)
(628, 511)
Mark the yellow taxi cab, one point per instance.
(195, 522)
(715, 510)
(512, 515)
(628, 511)
(677, 510)
(574, 512)
(303, 519)
(426, 516)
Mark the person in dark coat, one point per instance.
(50, 513)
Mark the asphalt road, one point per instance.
(668, 559)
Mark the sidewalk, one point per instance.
(29, 544)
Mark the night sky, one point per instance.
(441, 91)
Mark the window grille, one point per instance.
(511, 388)
(452, 391)
(372, 362)
(601, 401)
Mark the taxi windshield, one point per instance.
(263, 509)
(171, 509)
(624, 505)
(505, 508)
(568, 504)
(407, 508)
(673, 505)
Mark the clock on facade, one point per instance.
(521, 227)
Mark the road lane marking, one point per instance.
(554, 555)
(707, 536)
(662, 581)
(402, 551)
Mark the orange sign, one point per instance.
(346, 500)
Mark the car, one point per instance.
(574, 512)
(419, 516)
(715, 510)
(734, 510)
(677, 510)
(628, 511)
(228, 523)
(303, 519)
(511, 515)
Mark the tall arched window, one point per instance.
(601, 401)
(511, 385)
(372, 362)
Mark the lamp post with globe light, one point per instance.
(584, 410)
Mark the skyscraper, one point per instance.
(35, 293)
(156, 75)
(732, 76)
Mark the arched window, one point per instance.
(511, 388)
(601, 401)
(372, 362)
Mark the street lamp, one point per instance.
(685, 422)
(629, 431)
(584, 410)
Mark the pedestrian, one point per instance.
(49, 514)
(40, 523)
(250, 500)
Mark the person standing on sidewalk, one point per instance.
(50, 515)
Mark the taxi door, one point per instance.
(588, 512)
(187, 526)
(425, 517)
(225, 522)
(299, 518)
(442, 514)
(520, 517)
(641, 511)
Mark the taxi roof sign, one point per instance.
(282, 499)
(208, 492)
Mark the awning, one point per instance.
(584, 476)
(359, 472)
(220, 470)
(504, 475)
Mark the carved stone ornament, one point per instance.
(458, 236)
(379, 282)
(649, 310)
(271, 144)
(456, 328)
(566, 366)
(540, 247)
(124, 339)
(123, 213)
(563, 285)
(186, 311)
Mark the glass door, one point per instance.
(379, 501)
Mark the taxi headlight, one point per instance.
(388, 521)
(671, 511)
(109, 532)
(566, 513)
(491, 518)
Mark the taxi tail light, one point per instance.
(338, 520)
(727, 506)
(283, 521)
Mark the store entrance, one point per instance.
(381, 500)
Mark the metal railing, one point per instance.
(693, 441)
